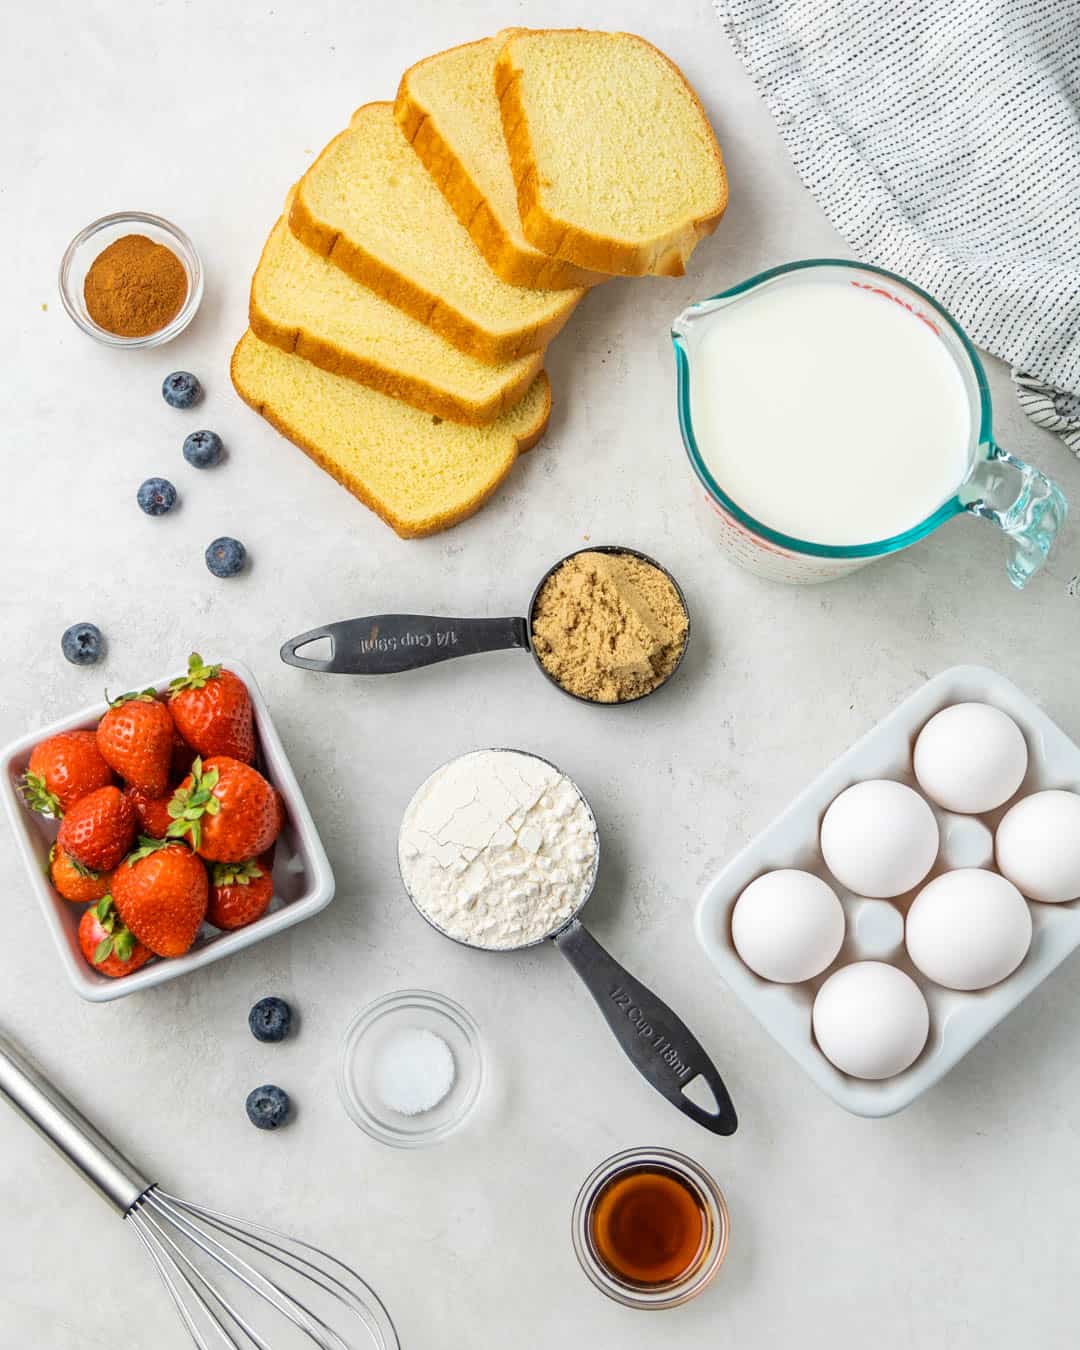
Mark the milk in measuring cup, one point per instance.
(830, 413)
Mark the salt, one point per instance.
(413, 1071)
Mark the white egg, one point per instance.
(970, 758)
(879, 838)
(788, 926)
(871, 1020)
(968, 929)
(1038, 846)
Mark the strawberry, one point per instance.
(160, 892)
(227, 809)
(74, 881)
(61, 770)
(183, 756)
(99, 829)
(153, 812)
(107, 944)
(212, 710)
(240, 893)
(135, 738)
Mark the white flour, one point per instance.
(498, 848)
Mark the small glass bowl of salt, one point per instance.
(411, 1069)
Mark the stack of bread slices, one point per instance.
(401, 307)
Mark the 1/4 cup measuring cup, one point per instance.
(659, 1045)
(994, 484)
(388, 644)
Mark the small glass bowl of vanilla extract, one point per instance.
(650, 1228)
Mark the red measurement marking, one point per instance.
(880, 290)
(740, 528)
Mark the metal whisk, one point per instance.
(220, 1272)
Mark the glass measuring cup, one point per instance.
(996, 486)
(387, 644)
(659, 1045)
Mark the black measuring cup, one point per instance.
(656, 1041)
(386, 644)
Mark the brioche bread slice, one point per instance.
(420, 474)
(302, 303)
(616, 166)
(370, 206)
(447, 108)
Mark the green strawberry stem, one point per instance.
(135, 696)
(38, 797)
(119, 940)
(79, 867)
(197, 677)
(146, 847)
(236, 873)
(189, 805)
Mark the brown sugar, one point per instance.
(609, 627)
(135, 287)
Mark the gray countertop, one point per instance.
(952, 1224)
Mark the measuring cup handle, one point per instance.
(662, 1049)
(1023, 502)
(383, 644)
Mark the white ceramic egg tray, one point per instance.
(875, 928)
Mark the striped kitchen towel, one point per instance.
(942, 139)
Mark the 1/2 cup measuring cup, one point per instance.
(659, 1045)
(995, 485)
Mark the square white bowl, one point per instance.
(875, 928)
(303, 880)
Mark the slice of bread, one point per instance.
(419, 473)
(616, 166)
(370, 206)
(447, 108)
(302, 303)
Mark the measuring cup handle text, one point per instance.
(662, 1049)
(384, 644)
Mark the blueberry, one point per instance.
(269, 1020)
(267, 1107)
(81, 644)
(181, 390)
(156, 496)
(202, 449)
(225, 556)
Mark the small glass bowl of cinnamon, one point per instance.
(138, 296)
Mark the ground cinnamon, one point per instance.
(135, 287)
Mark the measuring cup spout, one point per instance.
(384, 644)
(659, 1045)
(1023, 502)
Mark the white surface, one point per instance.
(957, 1021)
(303, 880)
(952, 1225)
(829, 412)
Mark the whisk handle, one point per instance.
(67, 1129)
